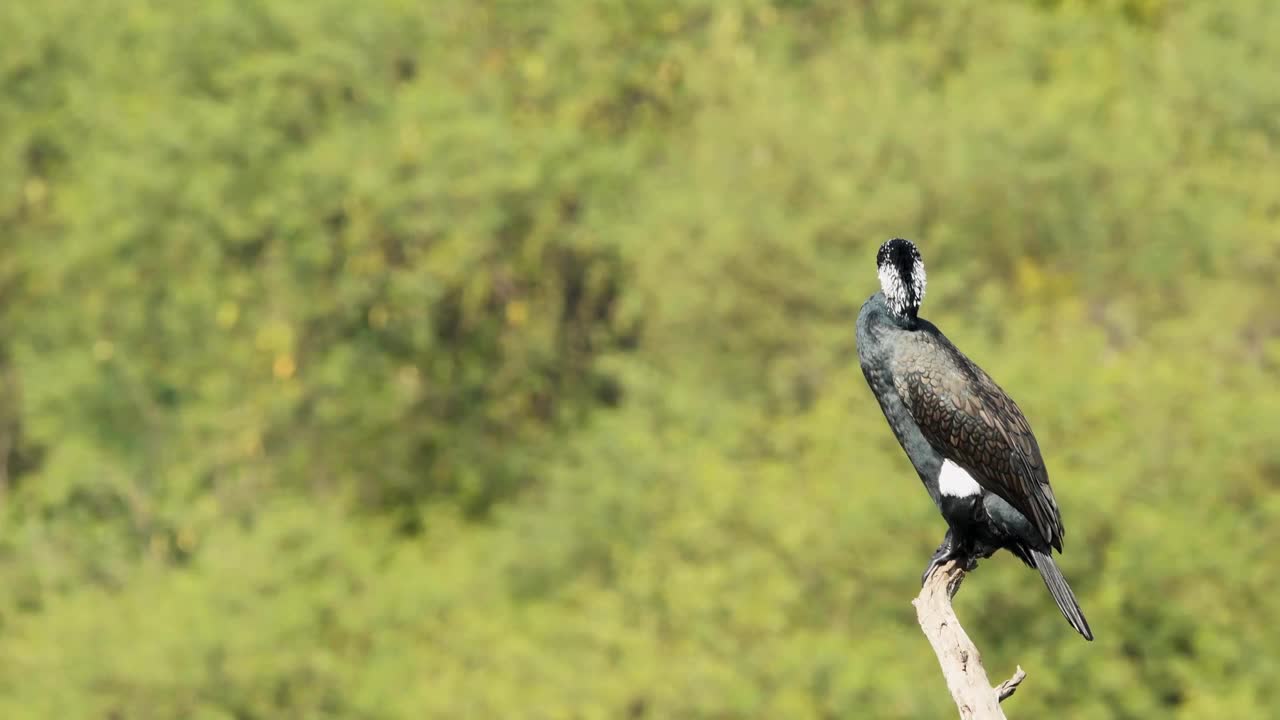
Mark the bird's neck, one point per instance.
(908, 319)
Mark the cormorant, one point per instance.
(968, 441)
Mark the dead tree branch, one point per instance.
(959, 658)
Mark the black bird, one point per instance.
(967, 439)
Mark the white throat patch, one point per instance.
(895, 290)
(955, 482)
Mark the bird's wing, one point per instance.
(970, 420)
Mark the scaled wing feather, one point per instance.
(969, 419)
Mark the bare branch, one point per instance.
(1010, 686)
(961, 663)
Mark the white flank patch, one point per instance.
(954, 481)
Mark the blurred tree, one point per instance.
(409, 362)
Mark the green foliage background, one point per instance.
(495, 359)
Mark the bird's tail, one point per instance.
(1061, 592)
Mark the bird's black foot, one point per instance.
(949, 550)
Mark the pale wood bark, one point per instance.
(961, 663)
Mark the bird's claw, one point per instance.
(945, 553)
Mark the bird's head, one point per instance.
(902, 278)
